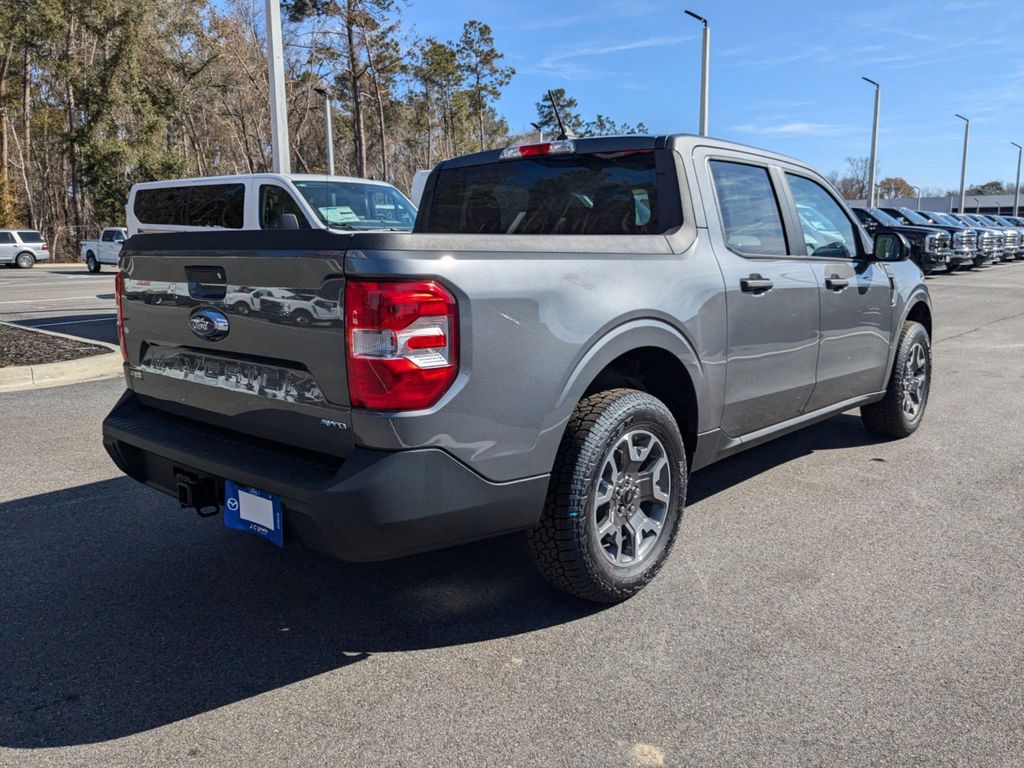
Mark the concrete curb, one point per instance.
(93, 368)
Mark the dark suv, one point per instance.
(930, 247)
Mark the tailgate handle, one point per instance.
(206, 283)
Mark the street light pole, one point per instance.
(918, 190)
(705, 66)
(963, 165)
(278, 106)
(1016, 189)
(873, 200)
(328, 129)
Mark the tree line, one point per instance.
(96, 95)
(852, 184)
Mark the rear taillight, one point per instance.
(118, 299)
(402, 345)
(46, 247)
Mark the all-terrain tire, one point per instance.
(565, 543)
(890, 417)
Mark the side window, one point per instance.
(750, 210)
(107, 236)
(216, 205)
(6, 238)
(161, 205)
(274, 201)
(826, 229)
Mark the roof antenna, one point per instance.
(562, 135)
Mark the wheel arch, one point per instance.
(649, 356)
(920, 312)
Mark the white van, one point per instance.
(419, 183)
(268, 201)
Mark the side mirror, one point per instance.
(287, 221)
(891, 246)
(118, 239)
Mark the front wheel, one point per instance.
(615, 497)
(25, 260)
(899, 413)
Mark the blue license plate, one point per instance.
(253, 510)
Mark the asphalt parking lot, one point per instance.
(832, 600)
(62, 297)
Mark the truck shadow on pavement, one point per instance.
(120, 612)
(844, 431)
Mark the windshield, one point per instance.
(945, 218)
(354, 205)
(883, 218)
(914, 217)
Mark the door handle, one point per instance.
(755, 284)
(836, 283)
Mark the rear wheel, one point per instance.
(25, 260)
(900, 412)
(615, 498)
(302, 317)
(91, 263)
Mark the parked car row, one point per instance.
(949, 240)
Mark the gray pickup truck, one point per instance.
(570, 330)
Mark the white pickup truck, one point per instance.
(106, 250)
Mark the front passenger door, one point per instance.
(856, 297)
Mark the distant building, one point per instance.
(999, 204)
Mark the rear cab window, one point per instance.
(630, 192)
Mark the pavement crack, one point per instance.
(980, 327)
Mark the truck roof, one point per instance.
(683, 143)
(247, 176)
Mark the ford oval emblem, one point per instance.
(209, 324)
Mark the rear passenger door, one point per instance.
(771, 294)
(856, 295)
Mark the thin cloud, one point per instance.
(796, 128)
(564, 63)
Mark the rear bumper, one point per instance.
(372, 505)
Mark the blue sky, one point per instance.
(785, 75)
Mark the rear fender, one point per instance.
(636, 334)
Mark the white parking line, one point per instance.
(46, 301)
(73, 322)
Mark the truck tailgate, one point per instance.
(202, 344)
